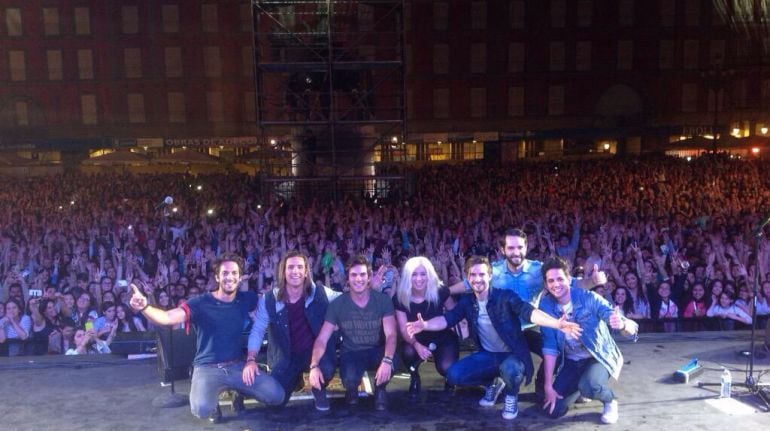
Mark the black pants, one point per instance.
(446, 353)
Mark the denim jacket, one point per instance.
(592, 313)
(504, 308)
(273, 317)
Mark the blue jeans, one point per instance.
(210, 379)
(583, 377)
(289, 371)
(353, 364)
(482, 367)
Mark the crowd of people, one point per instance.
(675, 239)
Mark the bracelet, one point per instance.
(146, 306)
(312, 366)
(387, 360)
(251, 360)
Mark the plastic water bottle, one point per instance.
(727, 382)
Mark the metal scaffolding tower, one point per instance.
(330, 81)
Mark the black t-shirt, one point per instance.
(220, 325)
(428, 311)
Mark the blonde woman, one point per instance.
(421, 293)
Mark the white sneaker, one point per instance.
(610, 414)
(511, 407)
(491, 393)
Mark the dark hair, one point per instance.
(227, 257)
(129, 318)
(477, 260)
(280, 276)
(106, 305)
(511, 232)
(628, 304)
(359, 259)
(554, 263)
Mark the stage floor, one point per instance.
(111, 393)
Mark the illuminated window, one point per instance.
(13, 21)
(516, 57)
(583, 56)
(18, 65)
(215, 106)
(82, 21)
(129, 19)
(170, 17)
(177, 111)
(478, 15)
(210, 18)
(473, 150)
(136, 108)
(441, 103)
(478, 58)
(515, 101)
(54, 62)
(689, 97)
(132, 61)
(212, 64)
(440, 15)
(88, 109)
(556, 100)
(437, 152)
(584, 13)
(173, 60)
(440, 58)
(50, 21)
(478, 102)
(85, 64)
(516, 13)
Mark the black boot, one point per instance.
(380, 398)
(414, 383)
(449, 389)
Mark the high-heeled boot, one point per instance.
(414, 383)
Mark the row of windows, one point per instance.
(130, 20)
(582, 16)
(557, 56)
(556, 100)
(136, 108)
(132, 63)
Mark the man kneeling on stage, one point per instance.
(587, 362)
(218, 318)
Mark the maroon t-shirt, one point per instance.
(299, 329)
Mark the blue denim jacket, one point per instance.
(504, 308)
(592, 313)
(273, 317)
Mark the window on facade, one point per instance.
(626, 13)
(249, 106)
(558, 13)
(516, 13)
(129, 19)
(54, 63)
(740, 91)
(247, 61)
(18, 65)
(666, 54)
(82, 21)
(51, 21)
(173, 61)
(625, 54)
(13, 21)
(440, 15)
(515, 101)
(556, 56)
(667, 10)
(136, 108)
(692, 13)
(441, 103)
(22, 113)
(478, 15)
(516, 57)
(583, 56)
(478, 102)
(478, 58)
(88, 110)
(176, 108)
(85, 64)
(170, 16)
(717, 52)
(584, 13)
(215, 106)
(210, 18)
(689, 98)
(556, 100)
(440, 58)
(212, 63)
(691, 51)
(132, 61)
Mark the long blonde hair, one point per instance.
(404, 289)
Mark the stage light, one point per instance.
(763, 130)
(210, 211)
(173, 210)
(72, 202)
(273, 142)
(755, 150)
(606, 146)
(689, 158)
(199, 188)
(394, 139)
(259, 207)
